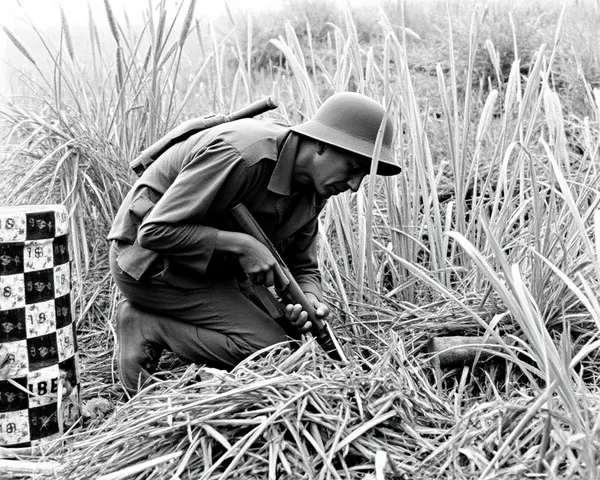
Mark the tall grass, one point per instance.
(510, 250)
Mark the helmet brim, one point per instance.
(386, 165)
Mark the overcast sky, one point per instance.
(46, 12)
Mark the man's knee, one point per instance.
(245, 345)
(240, 348)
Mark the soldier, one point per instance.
(177, 260)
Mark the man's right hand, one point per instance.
(258, 262)
(255, 258)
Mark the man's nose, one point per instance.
(355, 181)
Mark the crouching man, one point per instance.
(177, 260)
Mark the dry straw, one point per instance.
(282, 409)
(293, 414)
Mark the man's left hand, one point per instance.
(299, 318)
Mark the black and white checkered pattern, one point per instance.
(38, 347)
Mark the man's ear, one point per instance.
(321, 147)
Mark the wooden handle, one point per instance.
(291, 289)
(192, 126)
(260, 106)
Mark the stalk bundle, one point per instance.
(291, 414)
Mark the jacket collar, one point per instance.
(281, 178)
(300, 208)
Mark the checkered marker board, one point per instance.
(39, 378)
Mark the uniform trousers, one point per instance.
(213, 324)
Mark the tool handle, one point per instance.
(256, 108)
(287, 284)
(194, 125)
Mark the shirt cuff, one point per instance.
(310, 287)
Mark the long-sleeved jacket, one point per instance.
(172, 214)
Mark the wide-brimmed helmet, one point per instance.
(350, 121)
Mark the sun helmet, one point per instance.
(350, 121)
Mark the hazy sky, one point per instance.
(46, 12)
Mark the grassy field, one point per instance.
(492, 230)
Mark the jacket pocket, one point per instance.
(140, 206)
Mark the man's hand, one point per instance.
(299, 318)
(258, 262)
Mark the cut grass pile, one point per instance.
(294, 414)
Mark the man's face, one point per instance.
(336, 171)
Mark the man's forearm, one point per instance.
(232, 242)
(194, 244)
